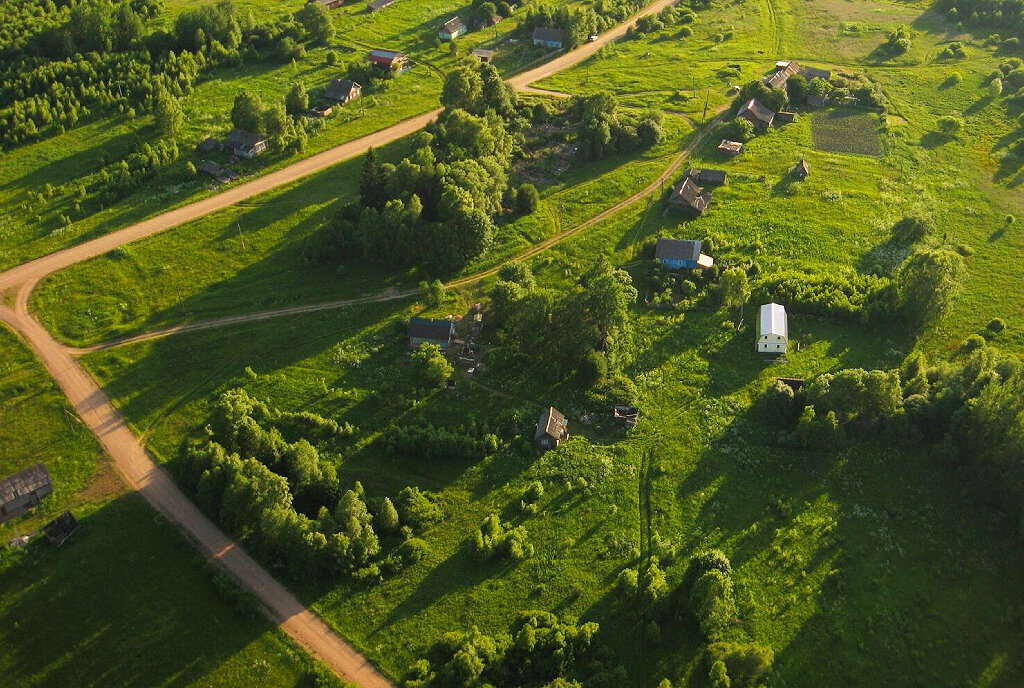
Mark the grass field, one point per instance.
(125, 601)
(846, 131)
(251, 256)
(863, 564)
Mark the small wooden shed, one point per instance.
(552, 428)
(23, 491)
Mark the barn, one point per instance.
(772, 329)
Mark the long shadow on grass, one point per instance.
(124, 602)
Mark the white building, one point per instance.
(772, 329)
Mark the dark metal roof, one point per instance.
(426, 328)
(24, 482)
(239, 138)
(340, 89)
(546, 34)
(378, 4)
(677, 249)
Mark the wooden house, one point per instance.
(481, 24)
(552, 428)
(756, 113)
(429, 331)
(342, 91)
(245, 144)
(452, 29)
(689, 197)
(810, 73)
(772, 329)
(390, 59)
(731, 148)
(548, 37)
(23, 491)
(681, 254)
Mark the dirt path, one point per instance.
(393, 294)
(126, 449)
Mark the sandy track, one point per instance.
(126, 449)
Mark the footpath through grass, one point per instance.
(126, 601)
(254, 256)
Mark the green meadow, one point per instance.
(126, 601)
(864, 563)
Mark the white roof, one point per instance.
(773, 321)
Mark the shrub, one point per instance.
(911, 229)
(527, 199)
(996, 325)
(745, 663)
(949, 125)
(494, 540)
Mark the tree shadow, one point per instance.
(127, 602)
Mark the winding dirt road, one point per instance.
(126, 449)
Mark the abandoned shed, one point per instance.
(552, 428)
(785, 117)
(680, 254)
(208, 145)
(705, 176)
(483, 55)
(23, 491)
(222, 174)
(730, 147)
(430, 331)
(783, 71)
(390, 59)
(60, 529)
(376, 5)
(327, 4)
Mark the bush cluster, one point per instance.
(497, 540)
(285, 502)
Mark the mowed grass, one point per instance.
(254, 256)
(846, 131)
(125, 601)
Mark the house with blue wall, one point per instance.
(429, 331)
(548, 38)
(681, 254)
(452, 29)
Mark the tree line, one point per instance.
(285, 500)
(96, 56)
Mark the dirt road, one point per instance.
(394, 294)
(126, 449)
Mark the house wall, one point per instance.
(772, 344)
(678, 264)
(415, 342)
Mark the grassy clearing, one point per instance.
(126, 601)
(846, 131)
(251, 257)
